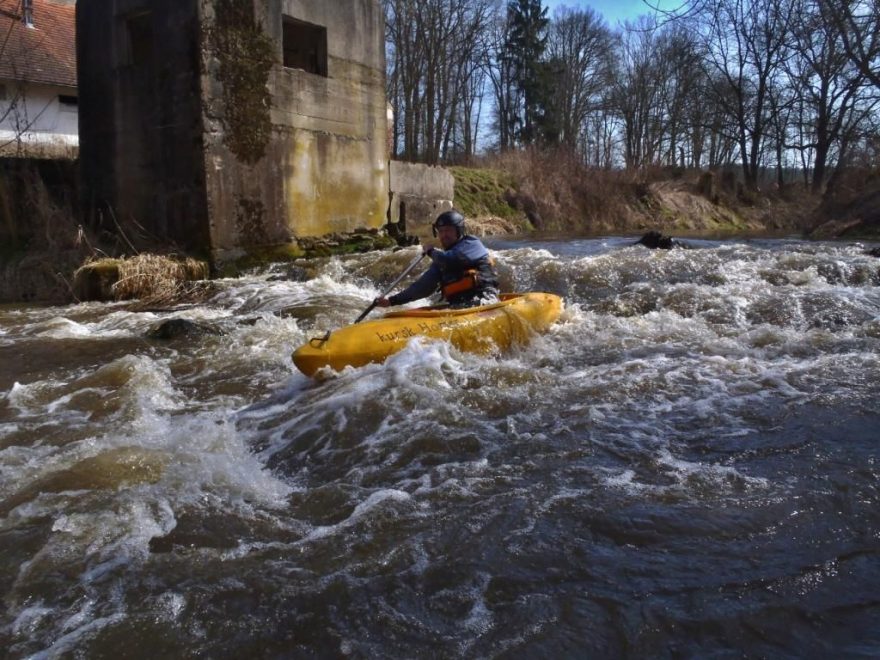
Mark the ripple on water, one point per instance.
(687, 458)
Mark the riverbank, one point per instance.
(547, 191)
(46, 247)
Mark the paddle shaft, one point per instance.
(390, 288)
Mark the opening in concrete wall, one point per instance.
(305, 46)
(68, 102)
(139, 28)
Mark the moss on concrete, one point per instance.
(260, 257)
(324, 191)
(94, 280)
(246, 55)
(326, 246)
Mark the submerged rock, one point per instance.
(657, 241)
(173, 328)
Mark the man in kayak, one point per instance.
(462, 270)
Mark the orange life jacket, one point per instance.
(466, 283)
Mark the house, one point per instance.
(229, 125)
(38, 84)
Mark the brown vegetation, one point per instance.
(40, 241)
(154, 280)
(47, 255)
(853, 209)
(551, 190)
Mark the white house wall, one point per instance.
(33, 116)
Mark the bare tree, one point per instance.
(857, 23)
(683, 87)
(830, 84)
(464, 129)
(753, 82)
(435, 50)
(638, 91)
(746, 42)
(406, 66)
(581, 44)
(502, 75)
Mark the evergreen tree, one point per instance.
(526, 42)
(547, 120)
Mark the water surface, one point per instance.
(686, 465)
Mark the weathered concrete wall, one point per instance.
(419, 193)
(192, 126)
(140, 118)
(321, 167)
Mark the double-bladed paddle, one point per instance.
(373, 304)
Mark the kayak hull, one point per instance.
(474, 330)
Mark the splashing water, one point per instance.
(686, 464)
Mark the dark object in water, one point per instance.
(172, 328)
(875, 252)
(657, 241)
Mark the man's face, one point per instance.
(448, 236)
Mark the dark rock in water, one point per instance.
(874, 252)
(291, 273)
(173, 328)
(657, 241)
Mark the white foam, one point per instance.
(62, 328)
(170, 605)
(480, 619)
(718, 475)
(118, 324)
(728, 339)
(30, 618)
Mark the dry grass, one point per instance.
(40, 240)
(159, 280)
(55, 150)
(558, 192)
(492, 225)
(152, 280)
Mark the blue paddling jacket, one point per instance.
(464, 274)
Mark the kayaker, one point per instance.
(462, 270)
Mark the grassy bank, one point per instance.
(551, 191)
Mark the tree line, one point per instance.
(778, 87)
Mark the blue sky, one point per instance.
(613, 10)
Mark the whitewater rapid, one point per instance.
(685, 464)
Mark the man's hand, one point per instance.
(427, 249)
(383, 302)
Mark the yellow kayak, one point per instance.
(474, 329)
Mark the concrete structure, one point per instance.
(38, 84)
(230, 124)
(419, 193)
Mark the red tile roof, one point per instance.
(45, 53)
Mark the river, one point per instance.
(686, 465)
